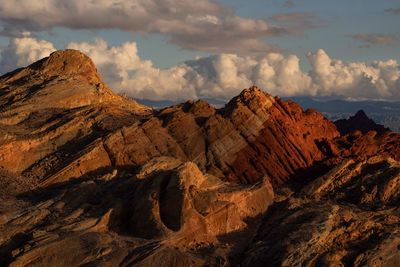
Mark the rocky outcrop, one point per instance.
(348, 217)
(363, 146)
(65, 80)
(52, 108)
(169, 210)
(253, 136)
(87, 173)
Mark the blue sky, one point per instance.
(169, 33)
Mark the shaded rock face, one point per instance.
(359, 122)
(348, 217)
(183, 202)
(167, 213)
(87, 173)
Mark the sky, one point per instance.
(179, 50)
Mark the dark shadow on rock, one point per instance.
(6, 249)
(95, 195)
(140, 253)
(171, 203)
(240, 240)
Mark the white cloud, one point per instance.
(223, 75)
(23, 51)
(122, 68)
(380, 79)
(226, 75)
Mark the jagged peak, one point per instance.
(252, 97)
(360, 114)
(255, 93)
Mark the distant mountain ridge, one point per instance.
(359, 122)
(382, 112)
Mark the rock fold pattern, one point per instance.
(93, 175)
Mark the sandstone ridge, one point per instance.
(87, 173)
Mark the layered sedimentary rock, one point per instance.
(348, 217)
(254, 135)
(87, 173)
(168, 213)
(61, 99)
(52, 109)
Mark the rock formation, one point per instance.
(348, 217)
(93, 175)
(167, 209)
(53, 107)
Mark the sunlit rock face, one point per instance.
(88, 173)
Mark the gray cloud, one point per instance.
(364, 46)
(376, 38)
(394, 11)
(203, 25)
(298, 22)
(289, 4)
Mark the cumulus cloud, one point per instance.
(123, 69)
(219, 76)
(377, 80)
(203, 25)
(23, 51)
(224, 75)
(376, 38)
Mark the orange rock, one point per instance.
(88, 173)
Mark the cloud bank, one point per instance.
(393, 11)
(223, 75)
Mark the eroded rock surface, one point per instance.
(168, 213)
(260, 182)
(348, 217)
(57, 112)
(52, 110)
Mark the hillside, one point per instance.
(107, 181)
